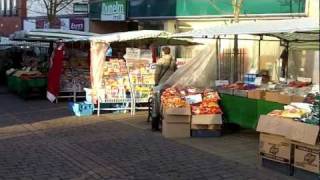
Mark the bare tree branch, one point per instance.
(64, 5)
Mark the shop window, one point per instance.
(2, 7)
(8, 7)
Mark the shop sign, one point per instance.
(205, 8)
(44, 24)
(80, 8)
(77, 24)
(113, 10)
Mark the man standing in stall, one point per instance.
(166, 66)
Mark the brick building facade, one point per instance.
(12, 13)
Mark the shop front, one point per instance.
(109, 16)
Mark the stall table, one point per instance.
(23, 87)
(244, 111)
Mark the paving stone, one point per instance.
(42, 141)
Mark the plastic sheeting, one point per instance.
(97, 57)
(200, 72)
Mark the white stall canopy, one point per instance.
(138, 37)
(302, 29)
(50, 35)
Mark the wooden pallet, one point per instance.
(206, 126)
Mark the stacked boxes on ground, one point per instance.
(290, 146)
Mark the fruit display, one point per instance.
(298, 84)
(209, 105)
(202, 102)
(171, 97)
(303, 112)
(288, 113)
(239, 86)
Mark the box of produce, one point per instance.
(256, 94)
(275, 96)
(241, 93)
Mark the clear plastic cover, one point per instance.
(199, 72)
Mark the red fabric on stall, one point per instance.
(55, 73)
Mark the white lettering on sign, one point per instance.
(115, 11)
(76, 26)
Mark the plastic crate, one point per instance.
(282, 168)
(206, 133)
(82, 109)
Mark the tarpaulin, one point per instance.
(97, 54)
(55, 73)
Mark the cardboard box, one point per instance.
(275, 148)
(206, 126)
(274, 125)
(176, 126)
(293, 130)
(306, 157)
(241, 93)
(226, 91)
(277, 97)
(297, 99)
(206, 133)
(207, 119)
(178, 111)
(177, 119)
(256, 94)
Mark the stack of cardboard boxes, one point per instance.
(179, 123)
(289, 146)
(176, 122)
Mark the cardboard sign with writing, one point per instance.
(221, 82)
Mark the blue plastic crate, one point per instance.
(206, 133)
(82, 109)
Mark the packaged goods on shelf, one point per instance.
(115, 79)
(75, 74)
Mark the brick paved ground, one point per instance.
(39, 140)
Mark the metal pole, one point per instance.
(217, 59)
(235, 59)
(259, 54)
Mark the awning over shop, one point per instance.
(50, 35)
(302, 29)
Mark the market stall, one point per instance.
(124, 84)
(251, 89)
(26, 69)
(71, 66)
